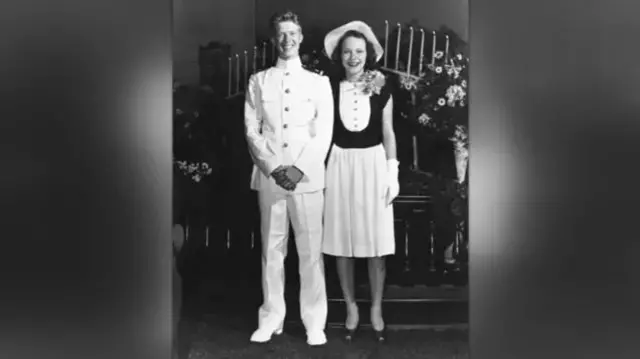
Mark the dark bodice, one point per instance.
(372, 134)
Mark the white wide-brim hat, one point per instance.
(332, 38)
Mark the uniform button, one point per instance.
(285, 145)
(286, 74)
(286, 91)
(355, 101)
(286, 109)
(285, 126)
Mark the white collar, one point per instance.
(290, 64)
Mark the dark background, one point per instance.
(86, 261)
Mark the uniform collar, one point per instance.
(289, 65)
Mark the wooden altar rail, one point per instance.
(242, 65)
(235, 243)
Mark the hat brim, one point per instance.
(332, 38)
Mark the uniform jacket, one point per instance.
(288, 116)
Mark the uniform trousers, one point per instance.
(304, 211)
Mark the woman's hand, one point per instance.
(393, 184)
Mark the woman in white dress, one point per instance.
(362, 169)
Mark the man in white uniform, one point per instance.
(289, 124)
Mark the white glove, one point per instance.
(393, 186)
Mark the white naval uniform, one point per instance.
(289, 121)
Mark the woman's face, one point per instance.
(354, 55)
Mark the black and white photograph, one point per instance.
(352, 180)
(320, 201)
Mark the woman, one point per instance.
(362, 169)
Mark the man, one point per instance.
(289, 124)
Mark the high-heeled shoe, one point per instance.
(349, 334)
(380, 335)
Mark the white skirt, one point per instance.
(357, 221)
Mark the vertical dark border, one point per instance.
(86, 179)
(554, 153)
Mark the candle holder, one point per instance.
(397, 64)
(432, 247)
(407, 267)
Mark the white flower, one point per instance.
(438, 54)
(463, 83)
(441, 102)
(196, 114)
(431, 67)
(179, 112)
(424, 119)
(438, 70)
(459, 56)
(197, 178)
(462, 103)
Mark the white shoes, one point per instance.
(262, 335)
(316, 338)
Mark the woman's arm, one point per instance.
(388, 135)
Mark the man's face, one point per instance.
(287, 39)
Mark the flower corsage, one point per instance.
(372, 81)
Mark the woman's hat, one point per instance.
(332, 38)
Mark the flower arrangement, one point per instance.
(194, 170)
(372, 82)
(196, 152)
(439, 102)
(193, 155)
(441, 96)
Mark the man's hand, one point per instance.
(281, 178)
(294, 174)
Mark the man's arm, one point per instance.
(316, 150)
(262, 154)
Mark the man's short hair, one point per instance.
(279, 17)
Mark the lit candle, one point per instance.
(237, 73)
(264, 55)
(421, 51)
(255, 56)
(446, 48)
(386, 41)
(433, 49)
(246, 68)
(415, 152)
(398, 46)
(230, 74)
(410, 50)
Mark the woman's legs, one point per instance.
(345, 267)
(377, 274)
